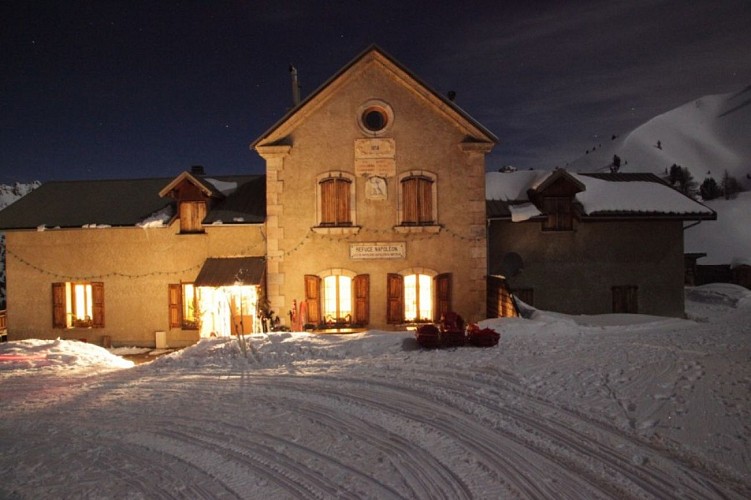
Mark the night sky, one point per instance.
(130, 89)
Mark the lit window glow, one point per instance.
(337, 297)
(418, 293)
(82, 302)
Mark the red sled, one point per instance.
(483, 338)
(428, 336)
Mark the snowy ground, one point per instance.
(565, 407)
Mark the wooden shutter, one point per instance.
(97, 305)
(409, 201)
(425, 201)
(442, 285)
(362, 299)
(328, 202)
(395, 298)
(312, 296)
(175, 305)
(58, 306)
(342, 202)
(192, 214)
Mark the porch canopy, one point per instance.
(231, 271)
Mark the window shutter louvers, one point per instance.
(58, 306)
(362, 299)
(175, 306)
(312, 296)
(442, 295)
(395, 299)
(97, 306)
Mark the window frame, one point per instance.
(417, 207)
(177, 305)
(315, 297)
(559, 211)
(64, 305)
(342, 207)
(441, 295)
(192, 214)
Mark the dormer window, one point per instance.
(192, 214)
(559, 212)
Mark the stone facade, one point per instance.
(418, 134)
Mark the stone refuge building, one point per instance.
(372, 214)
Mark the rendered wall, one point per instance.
(573, 272)
(424, 139)
(136, 265)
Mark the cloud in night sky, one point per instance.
(111, 89)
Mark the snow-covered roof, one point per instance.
(626, 195)
(130, 202)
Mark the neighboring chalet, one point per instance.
(372, 214)
(588, 243)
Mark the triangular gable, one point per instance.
(204, 187)
(374, 55)
(561, 178)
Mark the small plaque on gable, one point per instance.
(375, 148)
(379, 167)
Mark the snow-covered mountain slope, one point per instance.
(728, 239)
(707, 136)
(9, 194)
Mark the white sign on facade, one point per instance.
(375, 148)
(378, 250)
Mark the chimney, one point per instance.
(295, 86)
(452, 95)
(197, 170)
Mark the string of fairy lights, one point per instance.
(249, 250)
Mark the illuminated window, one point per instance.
(418, 293)
(417, 199)
(417, 296)
(183, 306)
(337, 298)
(335, 201)
(78, 305)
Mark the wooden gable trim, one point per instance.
(186, 177)
(374, 55)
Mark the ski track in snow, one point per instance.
(658, 410)
(367, 441)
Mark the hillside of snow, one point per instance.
(707, 136)
(726, 240)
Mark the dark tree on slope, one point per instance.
(730, 186)
(616, 165)
(682, 180)
(709, 190)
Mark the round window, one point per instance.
(375, 117)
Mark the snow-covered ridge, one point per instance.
(708, 136)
